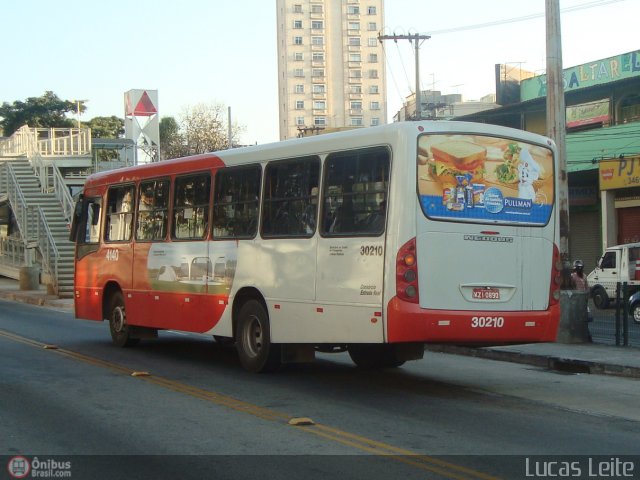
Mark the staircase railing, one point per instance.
(31, 224)
(47, 246)
(51, 180)
(49, 142)
(13, 251)
(18, 203)
(62, 194)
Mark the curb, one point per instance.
(37, 298)
(560, 364)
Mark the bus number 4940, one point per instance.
(487, 322)
(112, 255)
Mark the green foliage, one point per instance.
(171, 141)
(106, 127)
(47, 111)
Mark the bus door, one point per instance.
(351, 248)
(117, 264)
(89, 257)
(150, 229)
(285, 267)
(180, 270)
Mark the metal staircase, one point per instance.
(47, 227)
(41, 204)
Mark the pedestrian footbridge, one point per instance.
(39, 167)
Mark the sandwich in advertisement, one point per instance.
(456, 158)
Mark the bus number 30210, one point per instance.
(487, 322)
(371, 250)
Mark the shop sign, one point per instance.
(623, 172)
(588, 113)
(589, 74)
(583, 196)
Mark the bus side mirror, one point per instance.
(77, 214)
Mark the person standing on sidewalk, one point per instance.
(579, 282)
(578, 278)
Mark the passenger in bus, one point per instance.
(146, 201)
(125, 207)
(375, 222)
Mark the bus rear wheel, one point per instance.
(120, 331)
(370, 356)
(253, 339)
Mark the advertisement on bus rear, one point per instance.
(474, 178)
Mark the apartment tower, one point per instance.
(330, 65)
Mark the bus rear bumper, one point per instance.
(408, 322)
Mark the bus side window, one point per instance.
(290, 203)
(235, 202)
(355, 192)
(153, 207)
(120, 201)
(191, 206)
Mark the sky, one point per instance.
(216, 51)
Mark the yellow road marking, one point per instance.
(423, 462)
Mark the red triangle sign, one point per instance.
(145, 107)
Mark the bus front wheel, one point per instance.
(120, 331)
(253, 339)
(370, 356)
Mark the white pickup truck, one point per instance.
(620, 263)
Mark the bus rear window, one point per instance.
(483, 179)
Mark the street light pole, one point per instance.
(78, 102)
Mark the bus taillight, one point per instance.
(407, 272)
(556, 277)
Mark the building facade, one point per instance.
(436, 106)
(331, 71)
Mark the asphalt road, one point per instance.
(198, 414)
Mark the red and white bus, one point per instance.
(375, 240)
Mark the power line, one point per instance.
(595, 3)
(386, 59)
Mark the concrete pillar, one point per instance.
(573, 317)
(29, 278)
(609, 219)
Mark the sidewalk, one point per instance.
(10, 290)
(573, 358)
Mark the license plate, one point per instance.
(486, 293)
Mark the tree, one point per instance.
(106, 127)
(200, 129)
(171, 142)
(47, 111)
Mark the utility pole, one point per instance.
(415, 39)
(556, 126)
(229, 127)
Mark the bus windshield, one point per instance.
(485, 179)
